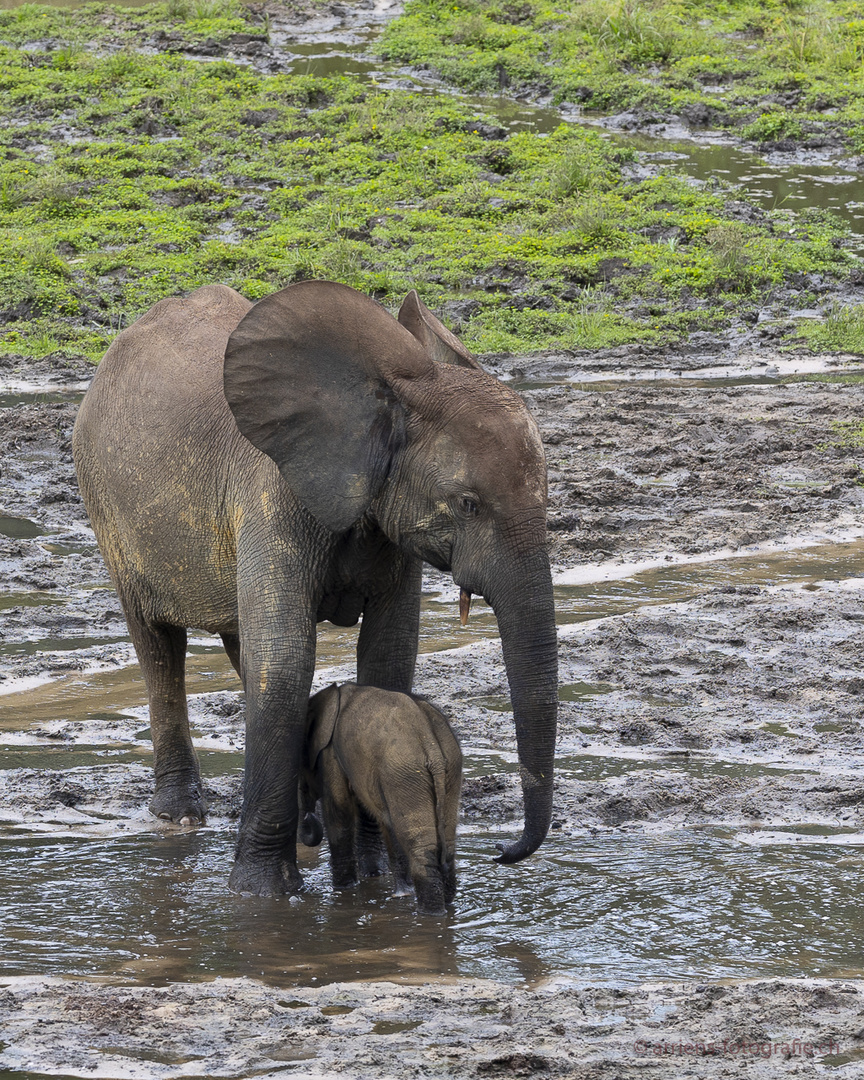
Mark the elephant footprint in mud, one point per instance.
(251, 470)
(392, 758)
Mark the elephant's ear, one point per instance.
(433, 335)
(323, 713)
(307, 373)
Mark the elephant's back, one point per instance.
(168, 361)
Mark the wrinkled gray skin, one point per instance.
(396, 758)
(252, 470)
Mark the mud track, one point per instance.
(737, 708)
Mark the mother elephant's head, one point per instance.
(366, 414)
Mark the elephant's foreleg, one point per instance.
(387, 645)
(161, 653)
(277, 636)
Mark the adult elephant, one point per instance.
(253, 470)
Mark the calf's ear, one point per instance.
(323, 713)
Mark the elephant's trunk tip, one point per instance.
(514, 853)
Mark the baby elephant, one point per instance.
(378, 754)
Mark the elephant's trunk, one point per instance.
(525, 611)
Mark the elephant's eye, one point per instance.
(468, 506)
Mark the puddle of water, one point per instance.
(40, 756)
(577, 691)
(324, 63)
(70, 548)
(394, 1027)
(155, 908)
(836, 1060)
(11, 399)
(20, 528)
(592, 600)
(720, 377)
(55, 644)
(774, 184)
(78, 696)
(594, 766)
(581, 691)
(11, 600)
(14, 1074)
(776, 728)
(208, 669)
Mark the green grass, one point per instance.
(842, 331)
(733, 56)
(850, 434)
(162, 183)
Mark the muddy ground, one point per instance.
(760, 685)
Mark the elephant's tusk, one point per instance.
(464, 605)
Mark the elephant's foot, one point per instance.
(265, 876)
(430, 901)
(402, 887)
(345, 879)
(182, 803)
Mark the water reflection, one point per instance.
(20, 528)
(611, 909)
(773, 184)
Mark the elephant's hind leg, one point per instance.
(161, 653)
(371, 851)
(340, 820)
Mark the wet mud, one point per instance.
(695, 904)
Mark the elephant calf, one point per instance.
(393, 758)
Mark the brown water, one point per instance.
(79, 695)
(153, 906)
(616, 909)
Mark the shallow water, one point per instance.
(152, 906)
(13, 399)
(776, 183)
(804, 567)
(611, 909)
(20, 528)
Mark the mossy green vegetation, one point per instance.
(842, 330)
(773, 70)
(849, 434)
(127, 176)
